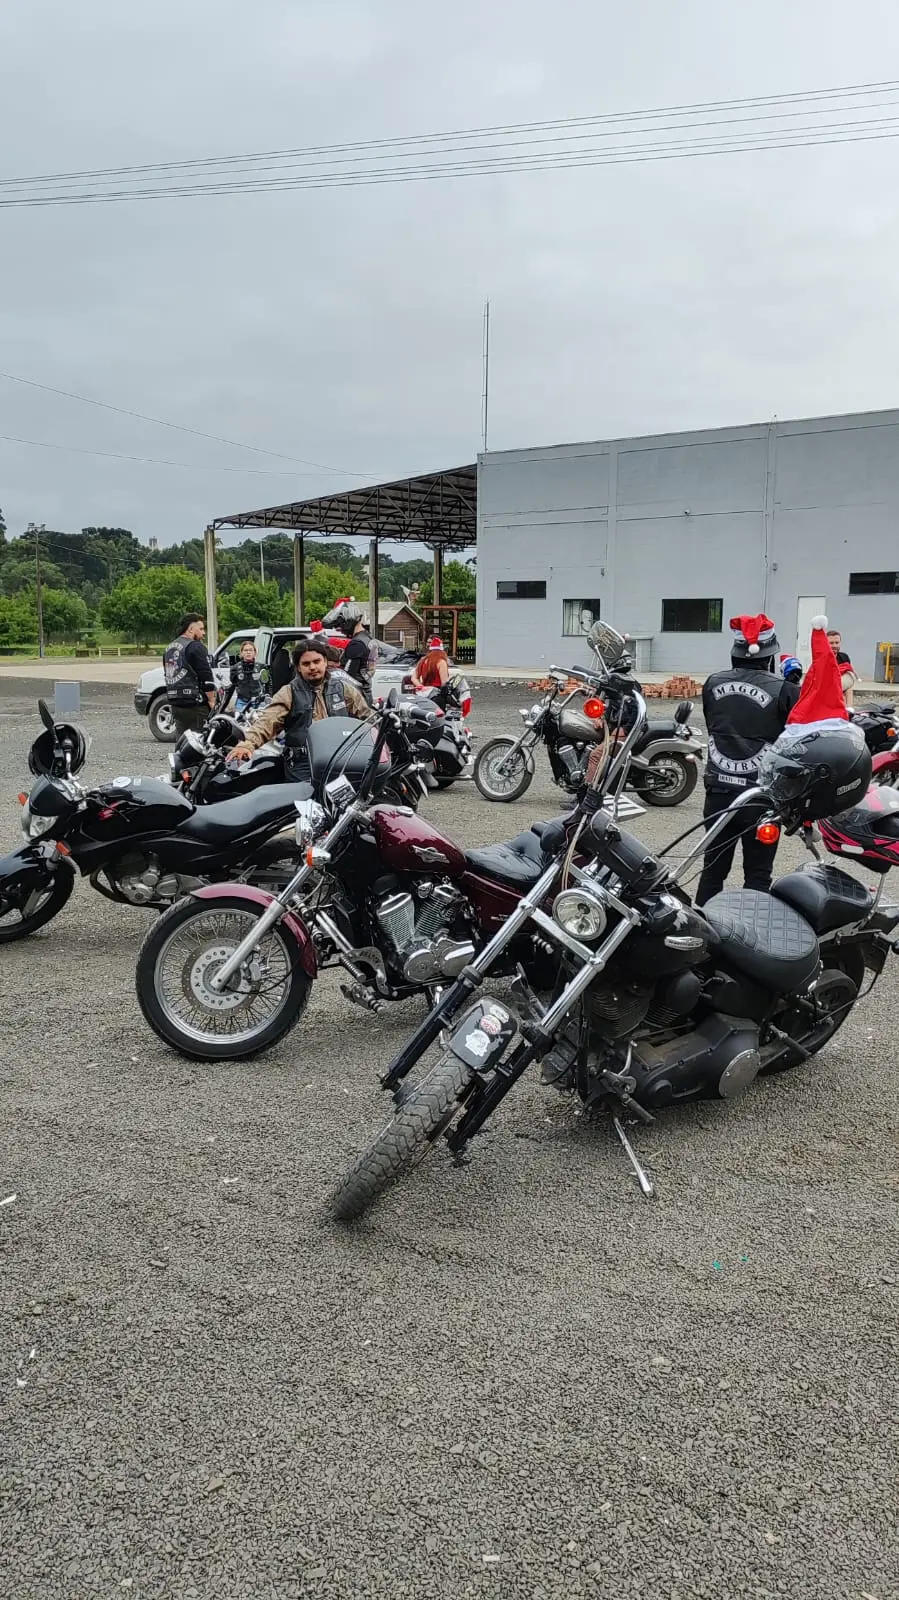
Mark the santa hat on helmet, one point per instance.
(753, 636)
(821, 700)
(316, 626)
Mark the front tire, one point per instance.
(406, 1140)
(501, 775)
(181, 952)
(161, 721)
(680, 778)
(45, 903)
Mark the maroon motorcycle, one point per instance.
(381, 893)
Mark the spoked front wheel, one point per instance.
(420, 1119)
(258, 1006)
(503, 770)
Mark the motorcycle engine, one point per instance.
(141, 881)
(416, 929)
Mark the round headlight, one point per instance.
(310, 820)
(580, 914)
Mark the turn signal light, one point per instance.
(767, 833)
(22, 798)
(63, 848)
(891, 733)
(594, 709)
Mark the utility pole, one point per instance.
(261, 562)
(37, 531)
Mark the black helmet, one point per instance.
(815, 771)
(47, 756)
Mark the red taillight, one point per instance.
(22, 798)
(594, 709)
(767, 833)
(466, 707)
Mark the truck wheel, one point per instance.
(161, 721)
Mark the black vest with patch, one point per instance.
(299, 718)
(744, 712)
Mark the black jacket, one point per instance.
(188, 672)
(745, 708)
(246, 680)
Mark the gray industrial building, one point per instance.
(668, 537)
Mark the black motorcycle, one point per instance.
(663, 771)
(654, 1002)
(436, 720)
(879, 726)
(141, 842)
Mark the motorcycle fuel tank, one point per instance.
(136, 805)
(408, 844)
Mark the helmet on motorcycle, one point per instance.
(869, 832)
(816, 771)
(66, 738)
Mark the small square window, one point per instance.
(874, 583)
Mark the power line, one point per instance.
(880, 129)
(181, 427)
(150, 461)
(603, 157)
(805, 98)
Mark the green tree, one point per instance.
(147, 605)
(252, 604)
(18, 620)
(326, 585)
(65, 615)
(17, 571)
(459, 587)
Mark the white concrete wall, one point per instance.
(756, 516)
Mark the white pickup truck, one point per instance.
(151, 698)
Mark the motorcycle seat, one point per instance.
(518, 862)
(827, 897)
(228, 819)
(764, 938)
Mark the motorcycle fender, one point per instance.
(482, 1035)
(29, 862)
(258, 897)
(885, 761)
(678, 747)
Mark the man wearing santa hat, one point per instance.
(746, 708)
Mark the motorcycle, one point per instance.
(381, 894)
(199, 768)
(878, 724)
(654, 1002)
(437, 716)
(664, 766)
(886, 766)
(143, 843)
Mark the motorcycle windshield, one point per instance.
(339, 746)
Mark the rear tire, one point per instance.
(159, 1003)
(813, 1034)
(407, 1138)
(160, 720)
(503, 785)
(684, 776)
(58, 891)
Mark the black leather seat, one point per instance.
(826, 896)
(518, 862)
(228, 819)
(764, 938)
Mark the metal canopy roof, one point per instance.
(437, 509)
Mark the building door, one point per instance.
(807, 606)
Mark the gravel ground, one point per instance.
(517, 1380)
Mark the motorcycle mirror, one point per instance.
(606, 642)
(392, 699)
(46, 718)
(684, 711)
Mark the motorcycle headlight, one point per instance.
(581, 915)
(310, 821)
(35, 827)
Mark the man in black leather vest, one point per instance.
(746, 708)
(190, 683)
(310, 695)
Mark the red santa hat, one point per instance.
(316, 626)
(754, 632)
(435, 643)
(821, 700)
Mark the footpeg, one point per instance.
(360, 996)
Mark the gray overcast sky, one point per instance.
(345, 326)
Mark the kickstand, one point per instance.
(646, 1184)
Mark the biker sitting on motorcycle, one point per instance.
(310, 695)
(432, 670)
